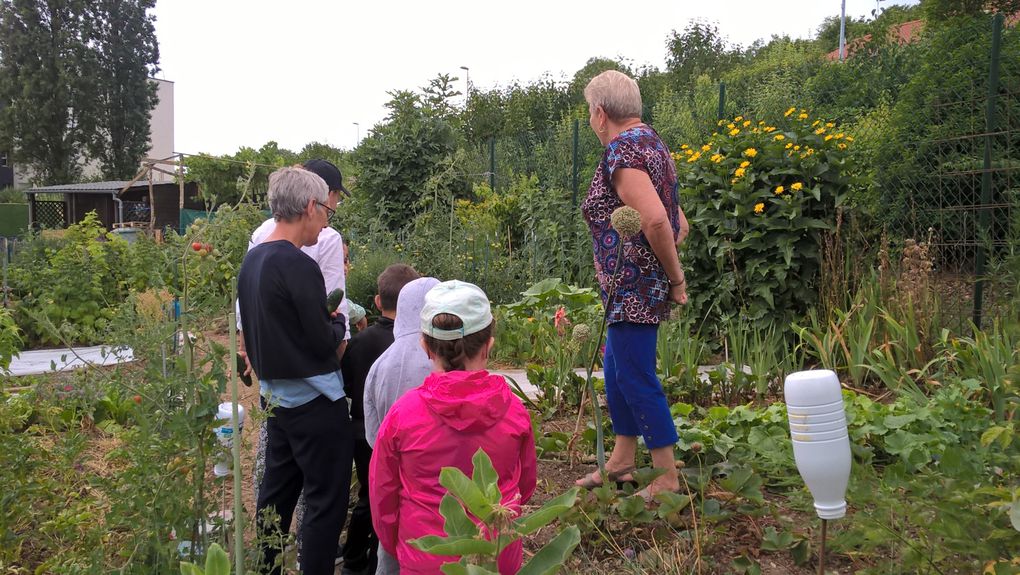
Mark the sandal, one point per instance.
(614, 476)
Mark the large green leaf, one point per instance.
(456, 523)
(544, 515)
(190, 569)
(485, 477)
(462, 568)
(550, 558)
(217, 562)
(460, 545)
(1014, 514)
(466, 491)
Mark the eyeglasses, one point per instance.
(330, 212)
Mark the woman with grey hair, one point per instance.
(636, 170)
(292, 341)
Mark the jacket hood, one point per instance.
(409, 304)
(467, 400)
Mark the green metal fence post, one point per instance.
(492, 163)
(985, 215)
(573, 164)
(722, 100)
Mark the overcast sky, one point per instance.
(298, 71)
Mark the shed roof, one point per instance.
(94, 187)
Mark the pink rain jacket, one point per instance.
(442, 424)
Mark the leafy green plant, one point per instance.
(10, 339)
(993, 357)
(216, 563)
(480, 547)
(757, 196)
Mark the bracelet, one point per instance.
(677, 284)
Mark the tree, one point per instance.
(700, 49)
(828, 31)
(941, 10)
(398, 160)
(76, 77)
(127, 51)
(48, 78)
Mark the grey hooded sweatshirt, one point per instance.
(404, 365)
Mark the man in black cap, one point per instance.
(328, 253)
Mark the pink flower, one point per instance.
(560, 321)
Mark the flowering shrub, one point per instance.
(757, 197)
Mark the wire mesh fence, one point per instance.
(936, 123)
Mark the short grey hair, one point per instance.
(617, 93)
(290, 190)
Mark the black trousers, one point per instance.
(311, 447)
(362, 545)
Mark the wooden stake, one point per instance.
(821, 550)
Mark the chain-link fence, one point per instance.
(935, 119)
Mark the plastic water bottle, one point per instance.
(225, 434)
(821, 445)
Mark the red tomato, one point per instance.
(196, 246)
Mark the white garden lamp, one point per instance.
(821, 445)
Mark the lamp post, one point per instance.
(467, 84)
(357, 133)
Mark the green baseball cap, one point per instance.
(464, 300)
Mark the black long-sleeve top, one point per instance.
(287, 329)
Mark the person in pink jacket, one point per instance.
(459, 408)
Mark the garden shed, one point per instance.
(140, 204)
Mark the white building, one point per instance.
(161, 138)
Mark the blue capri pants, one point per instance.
(637, 403)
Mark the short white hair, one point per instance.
(290, 190)
(617, 93)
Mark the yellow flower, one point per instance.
(789, 145)
(717, 158)
(759, 208)
(828, 137)
(820, 131)
(688, 152)
(779, 190)
(706, 148)
(730, 126)
(796, 186)
(684, 146)
(839, 135)
(745, 164)
(750, 152)
(849, 138)
(721, 122)
(802, 116)
(738, 118)
(746, 123)
(841, 146)
(739, 172)
(815, 123)
(734, 131)
(796, 148)
(790, 111)
(694, 158)
(779, 137)
(761, 123)
(830, 125)
(769, 129)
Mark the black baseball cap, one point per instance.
(329, 173)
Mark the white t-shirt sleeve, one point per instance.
(330, 257)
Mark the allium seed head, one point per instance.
(582, 333)
(626, 221)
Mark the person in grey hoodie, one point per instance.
(401, 368)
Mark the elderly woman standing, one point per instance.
(637, 171)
